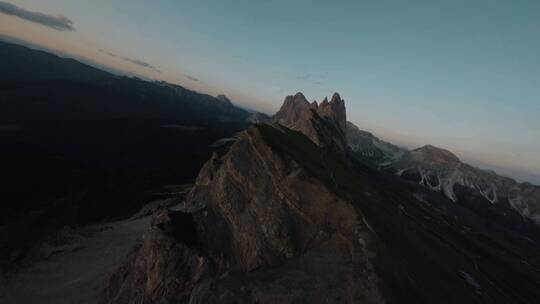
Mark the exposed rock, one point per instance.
(370, 148)
(513, 203)
(429, 153)
(495, 196)
(293, 109)
(265, 233)
(324, 124)
(335, 110)
(165, 266)
(282, 217)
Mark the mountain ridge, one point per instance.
(282, 217)
(435, 168)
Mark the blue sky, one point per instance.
(463, 75)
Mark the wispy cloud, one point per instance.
(313, 78)
(58, 22)
(191, 78)
(131, 60)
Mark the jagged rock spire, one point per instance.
(324, 123)
(293, 109)
(335, 110)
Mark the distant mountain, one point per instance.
(85, 145)
(370, 148)
(437, 169)
(20, 63)
(286, 216)
(442, 171)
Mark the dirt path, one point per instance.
(75, 271)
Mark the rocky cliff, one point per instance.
(282, 217)
(258, 229)
(324, 124)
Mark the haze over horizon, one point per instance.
(462, 76)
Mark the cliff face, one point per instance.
(285, 217)
(165, 265)
(324, 124)
(264, 231)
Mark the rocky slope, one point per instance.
(258, 230)
(370, 148)
(285, 217)
(441, 171)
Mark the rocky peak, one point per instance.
(280, 219)
(323, 123)
(295, 106)
(335, 110)
(293, 109)
(435, 155)
(324, 101)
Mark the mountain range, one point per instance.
(442, 171)
(290, 213)
(300, 207)
(79, 145)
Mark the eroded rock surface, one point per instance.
(287, 215)
(264, 231)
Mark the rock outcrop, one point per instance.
(284, 216)
(259, 229)
(167, 265)
(324, 124)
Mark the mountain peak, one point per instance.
(435, 155)
(324, 101)
(297, 113)
(336, 98)
(293, 109)
(300, 97)
(335, 110)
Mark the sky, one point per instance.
(461, 75)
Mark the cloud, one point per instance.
(59, 22)
(191, 78)
(313, 78)
(134, 61)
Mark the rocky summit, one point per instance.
(288, 215)
(257, 229)
(323, 123)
